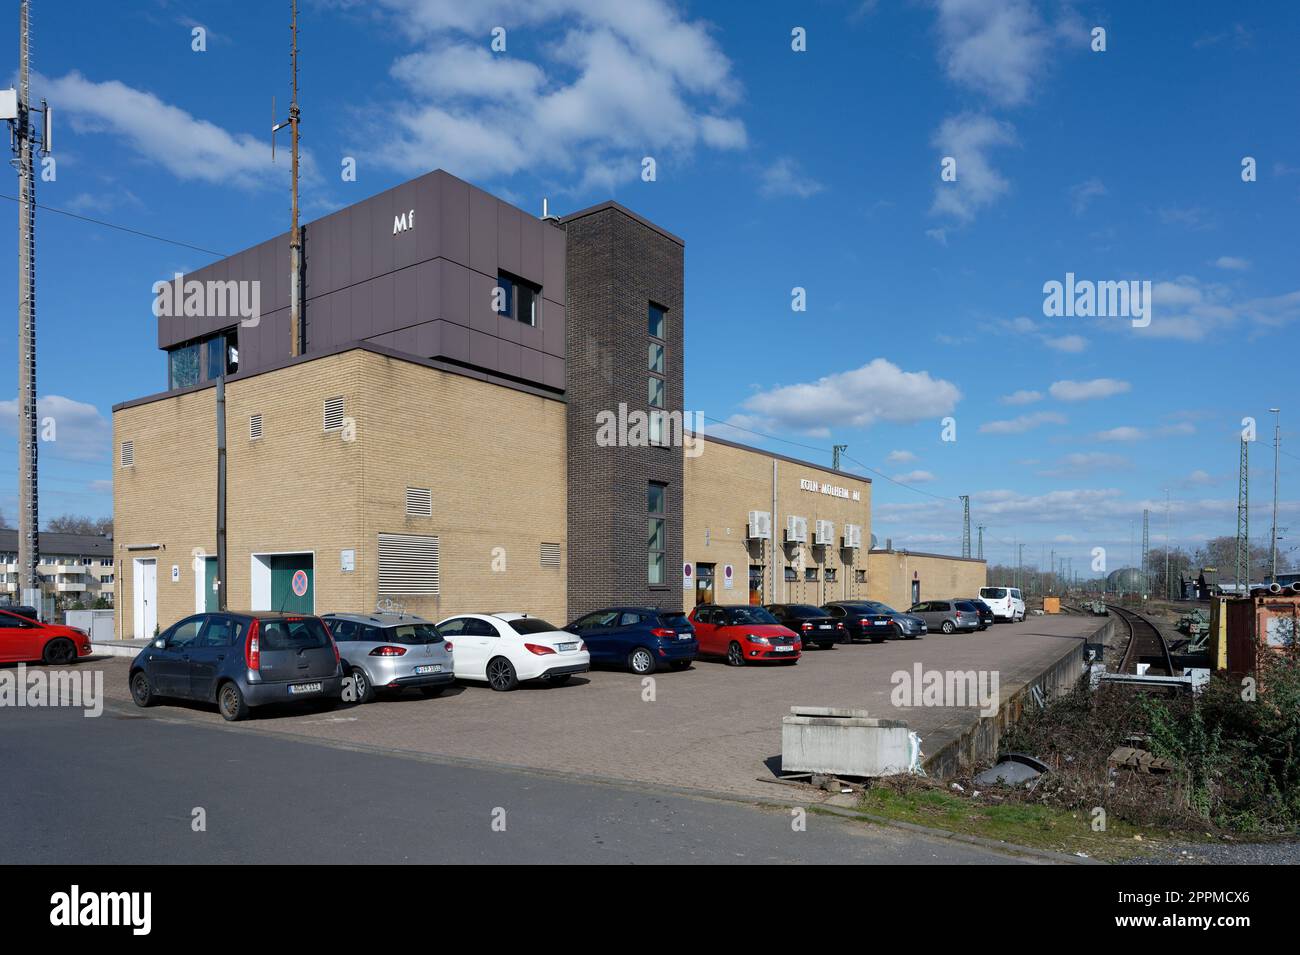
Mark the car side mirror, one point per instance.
(160, 644)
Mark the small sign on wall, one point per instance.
(348, 561)
(728, 573)
(176, 572)
(688, 575)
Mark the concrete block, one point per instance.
(843, 742)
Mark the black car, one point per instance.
(814, 626)
(238, 661)
(985, 612)
(874, 621)
(31, 613)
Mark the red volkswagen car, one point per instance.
(744, 635)
(24, 640)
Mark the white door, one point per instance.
(146, 598)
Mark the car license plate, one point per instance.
(879, 623)
(683, 636)
(783, 649)
(566, 646)
(432, 668)
(298, 688)
(823, 626)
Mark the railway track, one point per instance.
(1146, 644)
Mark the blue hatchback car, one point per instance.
(641, 639)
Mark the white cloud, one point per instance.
(1070, 344)
(877, 391)
(1021, 397)
(80, 432)
(1122, 433)
(784, 178)
(1088, 462)
(619, 82)
(1082, 194)
(900, 457)
(189, 148)
(968, 138)
(1232, 262)
(995, 47)
(1086, 390)
(914, 477)
(1023, 423)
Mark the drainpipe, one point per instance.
(221, 495)
(776, 529)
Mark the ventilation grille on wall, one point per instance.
(550, 555)
(408, 564)
(128, 454)
(419, 502)
(334, 413)
(254, 427)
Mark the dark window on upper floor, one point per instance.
(519, 298)
(657, 321)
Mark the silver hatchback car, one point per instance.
(390, 651)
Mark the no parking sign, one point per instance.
(299, 583)
(688, 575)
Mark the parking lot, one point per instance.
(712, 727)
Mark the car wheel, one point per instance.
(641, 661)
(363, 691)
(735, 655)
(142, 690)
(948, 626)
(431, 691)
(501, 675)
(59, 652)
(231, 702)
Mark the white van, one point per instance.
(1005, 602)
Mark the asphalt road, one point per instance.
(123, 788)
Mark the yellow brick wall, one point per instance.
(724, 483)
(890, 575)
(493, 458)
(168, 497)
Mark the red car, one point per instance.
(24, 640)
(744, 635)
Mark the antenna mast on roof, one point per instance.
(296, 336)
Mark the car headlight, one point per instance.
(755, 638)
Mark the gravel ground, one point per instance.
(1225, 853)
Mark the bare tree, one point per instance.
(79, 524)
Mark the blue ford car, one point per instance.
(640, 639)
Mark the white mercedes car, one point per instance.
(506, 649)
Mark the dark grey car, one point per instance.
(239, 661)
(390, 651)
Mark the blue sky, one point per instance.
(817, 169)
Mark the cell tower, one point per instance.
(15, 106)
(1243, 519)
(981, 542)
(965, 525)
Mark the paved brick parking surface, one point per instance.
(712, 727)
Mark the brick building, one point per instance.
(486, 414)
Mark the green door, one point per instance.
(209, 578)
(286, 570)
